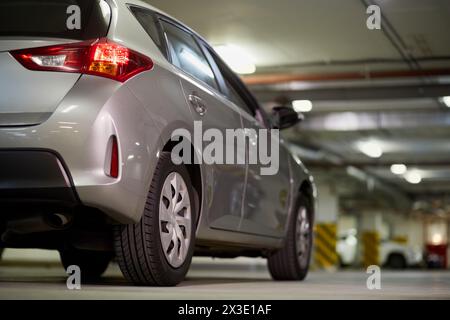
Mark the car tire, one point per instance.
(157, 251)
(396, 261)
(92, 263)
(342, 264)
(292, 261)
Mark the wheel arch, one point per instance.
(396, 254)
(306, 189)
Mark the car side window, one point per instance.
(187, 55)
(236, 98)
(231, 93)
(149, 22)
(241, 102)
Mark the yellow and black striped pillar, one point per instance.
(370, 248)
(325, 238)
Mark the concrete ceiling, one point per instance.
(283, 32)
(286, 34)
(382, 85)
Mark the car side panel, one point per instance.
(168, 111)
(267, 197)
(161, 93)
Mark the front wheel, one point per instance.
(292, 261)
(157, 251)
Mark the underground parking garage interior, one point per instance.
(340, 189)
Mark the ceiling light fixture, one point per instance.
(236, 58)
(302, 105)
(446, 101)
(371, 149)
(437, 239)
(413, 177)
(398, 168)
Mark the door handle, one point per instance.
(197, 103)
(193, 100)
(200, 108)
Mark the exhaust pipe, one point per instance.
(40, 223)
(59, 220)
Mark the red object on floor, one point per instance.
(437, 255)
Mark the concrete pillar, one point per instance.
(325, 229)
(371, 230)
(415, 233)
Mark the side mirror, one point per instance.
(285, 117)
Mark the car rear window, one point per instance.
(150, 24)
(55, 18)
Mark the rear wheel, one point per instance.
(158, 250)
(92, 263)
(396, 261)
(292, 261)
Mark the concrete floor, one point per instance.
(38, 275)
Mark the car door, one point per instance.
(225, 183)
(267, 197)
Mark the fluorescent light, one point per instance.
(413, 177)
(398, 168)
(302, 105)
(446, 100)
(437, 239)
(371, 149)
(236, 58)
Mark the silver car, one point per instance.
(90, 95)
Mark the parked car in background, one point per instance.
(393, 254)
(347, 248)
(397, 255)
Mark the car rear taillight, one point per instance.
(100, 57)
(114, 166)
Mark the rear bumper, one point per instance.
(78, 133)
(34, 177)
